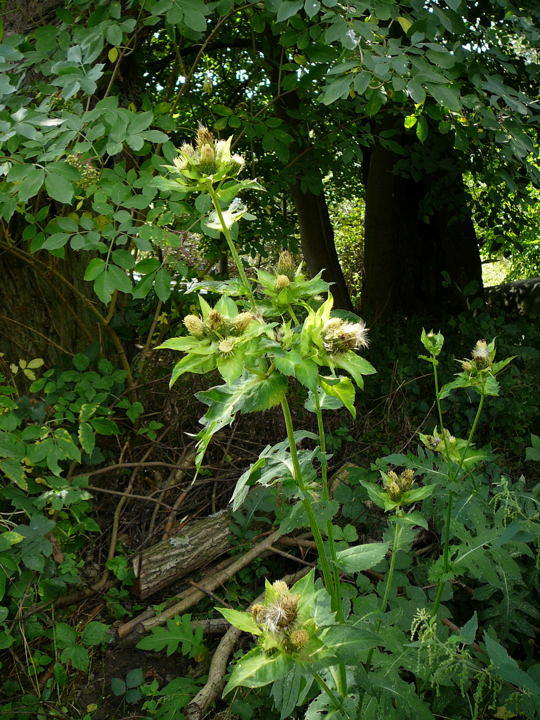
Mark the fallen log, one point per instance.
(196, 546)
(133, 630)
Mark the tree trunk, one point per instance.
(317, 237)
(420, 245)
(316, 232)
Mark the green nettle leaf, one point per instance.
(95, 633)
(361, 557)
(258, 668)
(508, 668)
(77, 655)
(59, 187)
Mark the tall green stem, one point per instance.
(328, 575)
(334, 699)
(306, 500)
(336, 595)
(455, 476)
(231, 244)
(389, 582)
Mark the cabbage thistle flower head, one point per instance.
(278, 616)
(481, 354)
(194, 325)
(396, 485)
(242, 321)
(209, 157)
(339, 336)
(286, 265)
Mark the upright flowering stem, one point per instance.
(306, 500)
(328, 575)
(389, 581)
(232, 246)
(336, 595)
(446, 547)
(334, 699)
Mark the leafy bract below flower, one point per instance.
(291, 625)
(223, 337)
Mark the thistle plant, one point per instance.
(266, 330)
(478, 373)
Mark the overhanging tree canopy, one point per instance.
(95, 96)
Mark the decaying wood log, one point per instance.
(199, 543)
(133, 630)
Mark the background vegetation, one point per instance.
(398, 147)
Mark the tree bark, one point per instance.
(316, 232)
(199, 544)
(416, 230)
(318, 247)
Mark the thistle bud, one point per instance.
(215, 320)
(286, 264)
(467, 366)
(187, 150)
(226, 346)
(394, 491)
(241, 321)
(480, 354)
(223, 153)
(282, 281)
(194, 325)
(281, 587)
(207, 157)
(299, 638)
(204, 137)
(257, 613)
(406, 479)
